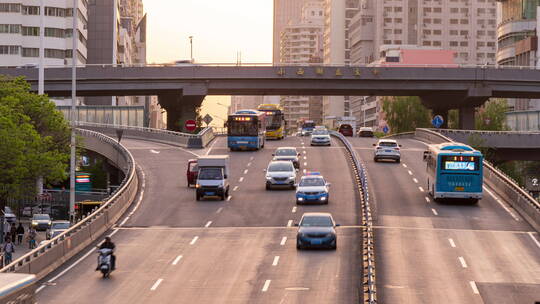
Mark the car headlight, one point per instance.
(268, 177)
(34, 223)
(323, 198)
(300, 198)
(291, 177)
(329, 235)
(197, 185)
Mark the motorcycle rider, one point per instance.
(108, 244)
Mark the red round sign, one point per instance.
(190, 125)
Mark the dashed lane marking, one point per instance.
(249, 164)
(219, 210)
(252, 158)
(229, 198)
(266, 285)
(304, 171)
(462, 261)
(246, 171)
(534, 239)
(434, 211)
(452, 244)
(415, 180)
(208, 224)
(421, 189)
(235, 188)
(294, 209)
(427, 199)
(289, 223)
(194, 240)
(178, 258)
(305, 157)
(276, 260)
(474, 288)
(154, 151)
(241, 179)
(410, 172)
(156, 284)
(515, 217)
(305, 163)
(404, 165)
(283, 241)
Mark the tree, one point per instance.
(492, 116)
(34, 140)
(405, 114)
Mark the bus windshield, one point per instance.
(242, 128)
(274, 119)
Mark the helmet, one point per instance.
(107, 238)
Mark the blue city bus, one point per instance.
(454, 171)
(246, 130)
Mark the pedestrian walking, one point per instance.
(20, 233)
(8, 249)
(31, 238)
(7, 229)
(13, 233)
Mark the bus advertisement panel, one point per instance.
(246, 130)
(275, 121)
(455, 171)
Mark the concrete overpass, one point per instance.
(181, 89)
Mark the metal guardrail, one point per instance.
(504, 185)
(368, 245)
(45, 258)
(196, 141)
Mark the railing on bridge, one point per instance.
(59, 249)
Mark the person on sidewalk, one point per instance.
(20, 233)
(8, 249)
(7, 229)
(31, 238)
(13, 233)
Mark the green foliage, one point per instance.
(99, 175)
(405, 114)
(34, 139)
(453, 119)
(491, 116)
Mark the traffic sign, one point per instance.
(207, 119)
(385, 129)
(190, 125)
(437, 121)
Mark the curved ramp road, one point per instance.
(431, 252)
(173, 249)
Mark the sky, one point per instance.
(220, 29)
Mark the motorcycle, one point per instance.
(105, 261)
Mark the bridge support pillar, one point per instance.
(179, 109)
(466, 118)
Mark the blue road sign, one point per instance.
(385, 129)
(437, 121)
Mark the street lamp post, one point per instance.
(72, 112)
(191, 48)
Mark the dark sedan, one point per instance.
(316, 230)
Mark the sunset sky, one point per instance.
(219, 28)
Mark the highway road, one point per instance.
(429, 252)
(173, 249)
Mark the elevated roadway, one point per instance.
(173, 249)
(431, 252)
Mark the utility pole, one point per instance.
(191, 48)
(41, 71)
(73, 115)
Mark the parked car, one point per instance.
(316, 230)
(365, 132)
(41, 221)
(9, 216)
(387, 149)
(346, 130)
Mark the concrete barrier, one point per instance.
(503, 185)
(46, 258)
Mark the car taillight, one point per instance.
(397, 149)
(379, 148)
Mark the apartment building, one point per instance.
(517, 41)
(338, 16)
(285, 11)
(20, 33)
(301, 43)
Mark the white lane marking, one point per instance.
(283, 240)
(289, 223)
(208, 224)
(294, 209)
(305, 164)
(451, 241)
(534, 239)
(304, 171)
(410, 172)
(421, 189)
(241, 179)
(427, 199)
(229, 198)
(304, 151)
(434, 211)
(156, 284)
(124, 221)
(474, 288)
(305, 157)
(220, 209)
(76, 262)
(415, 180)
(252, 158)
(462, 261)
(178, 258)
(266, 285)
(249, 164)
(194, 240)
(276, 260)
(502, 204)
(246, 171)
(143, 186)
(40, 288)
(154, 151)
(404, 165)
(235, 188)
(211, 147)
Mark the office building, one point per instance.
(285, 11)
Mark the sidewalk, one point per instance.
(22, 249)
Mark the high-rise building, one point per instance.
(517, 41)
(245, 103)
(338, 15)
(20, 34)
(301, 43)
(285, 11)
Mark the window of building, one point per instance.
(437, 21)
(10, 28)
(398, 20)
(453, 43)
(427, 9)
(464, 33)
(398, 9)
(427, 20)
(464, 43)
(387, 9)
(437, 10)
(398, 31)
(491, 21)
(480, 44)
(387, 41)
(426, 32)
(426, 43)
(30, 10)
(30, 31)
(480, 55)
(464, 55)
(9, 49)
(491, 55)
(54, 32)
(387, 20)
(10, 8)
(30, 52)
(464, 10)
(481, 33)
(491, 33)
(436, 43)
(397, 41)
(453, 32)
(453, 21)
(454, 10)
(481, 11)
(437, 32)
(491, 44)
(464, 21)
(55, 53)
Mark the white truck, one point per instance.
(213, 176)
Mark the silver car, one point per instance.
(56, 228)
(387, 149)
(280, 173)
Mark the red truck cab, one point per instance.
(192, 170)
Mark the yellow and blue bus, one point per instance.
(246, 130)
(455, 171)
(275, 121)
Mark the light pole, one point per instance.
(191, 48)
(73, 109)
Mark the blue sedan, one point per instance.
(316, 230)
